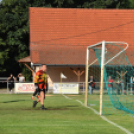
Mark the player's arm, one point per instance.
(46, 82)
(47, 86)
(124, 73)
(36, 79)
(118, 73)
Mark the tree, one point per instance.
(14, 33)
(14, 26)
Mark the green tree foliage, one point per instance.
(90, 3)
(14, 26)
(14, 33)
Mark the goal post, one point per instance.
(87, 72)
(102, 73)
(86, 77)
(104, 60)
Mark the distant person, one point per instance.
(11, 81)
(132, 84)
(91, 84)
(122, 82)
(133, 87)
(21, 78)
(40, 80)
(110, 84)
(118, 86)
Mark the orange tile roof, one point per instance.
(61, 36)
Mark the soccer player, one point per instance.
(40, 80)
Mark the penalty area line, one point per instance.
(103, 117)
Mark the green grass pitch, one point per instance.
(64, 116)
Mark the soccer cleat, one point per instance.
(33, 98)
(34, 103)
(43, 108)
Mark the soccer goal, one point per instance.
(109, 75)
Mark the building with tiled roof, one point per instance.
(59, 37)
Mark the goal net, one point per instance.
(109, 78)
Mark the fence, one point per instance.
(129, 87)
(3, 80)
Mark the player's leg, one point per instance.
(42, 97)
(34, 94)
(35, 102)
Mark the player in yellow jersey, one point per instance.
(40, 80)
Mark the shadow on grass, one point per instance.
(58, 109)
(12, 101)
(47, 109)
(71, 106)
(67, 107)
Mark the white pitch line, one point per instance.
(66, 97)
(88, 107)
(104, 118)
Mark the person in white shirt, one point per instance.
(21, 78)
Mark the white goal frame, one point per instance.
(88, 64)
